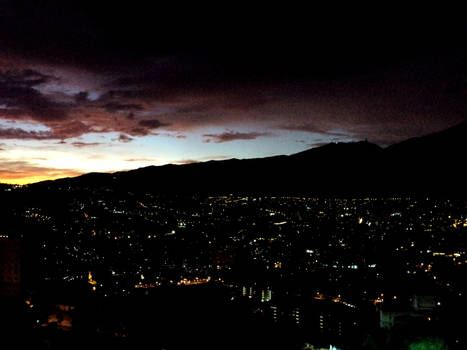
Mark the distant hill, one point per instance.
(430, 164)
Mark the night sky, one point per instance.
(104, 87)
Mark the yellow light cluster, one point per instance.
(196, 280)
(90, 280)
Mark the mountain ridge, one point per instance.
(417, 165)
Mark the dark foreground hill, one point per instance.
(432, 164)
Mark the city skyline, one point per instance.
(87, 88)
(289, 270)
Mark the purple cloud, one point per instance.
(233, 136)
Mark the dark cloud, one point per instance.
(168, 134)
(123, 94)
(20, 99)
(68, 128)
(124, 138)
(62, 130)
(312, 128)
(233, 136)
(139, 132)
(85, 144)
(24, 78)
(117, 107)
(287, 42)
(152, 124)
(81, 97)
(344, 76)
(17, 133)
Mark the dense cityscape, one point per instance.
(315, 271)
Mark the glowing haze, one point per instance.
(78, 92)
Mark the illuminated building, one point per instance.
(266, 295)
(296, 315)
(275, 314)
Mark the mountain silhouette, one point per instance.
(430, 164)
